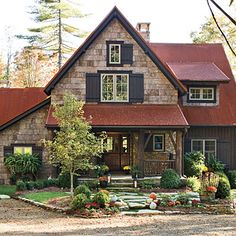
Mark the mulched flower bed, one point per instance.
(48, 189)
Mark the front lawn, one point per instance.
(7, 190)
(44, 196)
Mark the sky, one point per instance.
(171, 21)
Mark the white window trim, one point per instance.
(114, 44)
(204, 141)
(114, 88)
(23, 148)
(163, 143)
(201, 94)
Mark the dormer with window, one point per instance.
(201, 94)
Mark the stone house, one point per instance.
(155, 101)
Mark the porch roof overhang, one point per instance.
(130, 116)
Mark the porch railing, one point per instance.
(156, 167)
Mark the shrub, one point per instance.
(193, 164)
(101, 170)
(79, 201)
(232, 178)
(214, 165)
(223, 190)
(39, 184)
(170, 179)
(92, 184)
(194, 183)
(101, 198)
(64, 180)
(20, 185)
(22, 164)
(82, 189)
(30, 185)
(148, 184)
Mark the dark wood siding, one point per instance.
(226, 142)
(92, 87)
(136, 88)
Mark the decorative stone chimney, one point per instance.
(143, 29)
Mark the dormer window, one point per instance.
(114, 53)
(202, 94)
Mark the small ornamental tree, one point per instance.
(74, 144)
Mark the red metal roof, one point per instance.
(15, 101)
(225, 112)
(108, 115)
(197, 71)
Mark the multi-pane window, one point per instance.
(22, 150)
(201, 93)
(114, 87)
(158, 142)
(205, 146)
(114, 53)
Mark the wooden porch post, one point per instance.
(141, 152)
(179, 152)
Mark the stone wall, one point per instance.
(30, 130)
(157, 88)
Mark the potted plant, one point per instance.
(103, 181)
(126, 169)
(102, 172)
(135, 171)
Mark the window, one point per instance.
(206, 146)
(114, 53)
(158, 142)
(22, 150)
(205, 94)
(114, 87)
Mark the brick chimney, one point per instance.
(143, 29)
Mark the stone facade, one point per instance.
(30, 130)
(157, 88)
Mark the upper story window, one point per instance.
(205, 146)
(158, 142)
(119, 53)
(114, 87)
(22, 150)
(114, 53)
(202, 94)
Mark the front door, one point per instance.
(118, 152)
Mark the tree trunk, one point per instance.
(72, 184)
(59, 39)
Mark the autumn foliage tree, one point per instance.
(32, 68)
(74, 144)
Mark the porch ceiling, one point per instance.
(121, 115)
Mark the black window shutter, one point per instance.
(126, 53)
(136, 88)
(8, 150)
(38, 151)
(187, 145)
(92, 87)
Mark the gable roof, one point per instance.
(223, 114)
(17, 103)
(130, 115)
(114, 14)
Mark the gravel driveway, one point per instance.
(19, 218)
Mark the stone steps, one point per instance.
(123, 189)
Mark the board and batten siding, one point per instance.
(225, 138)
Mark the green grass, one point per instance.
(233, 193)
(7, 189)
(44, 196)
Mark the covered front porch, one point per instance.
(151, 150)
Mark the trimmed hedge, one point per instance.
(232, 178)
(223, 190)
(170, 179)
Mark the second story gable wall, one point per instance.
(157, 88)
